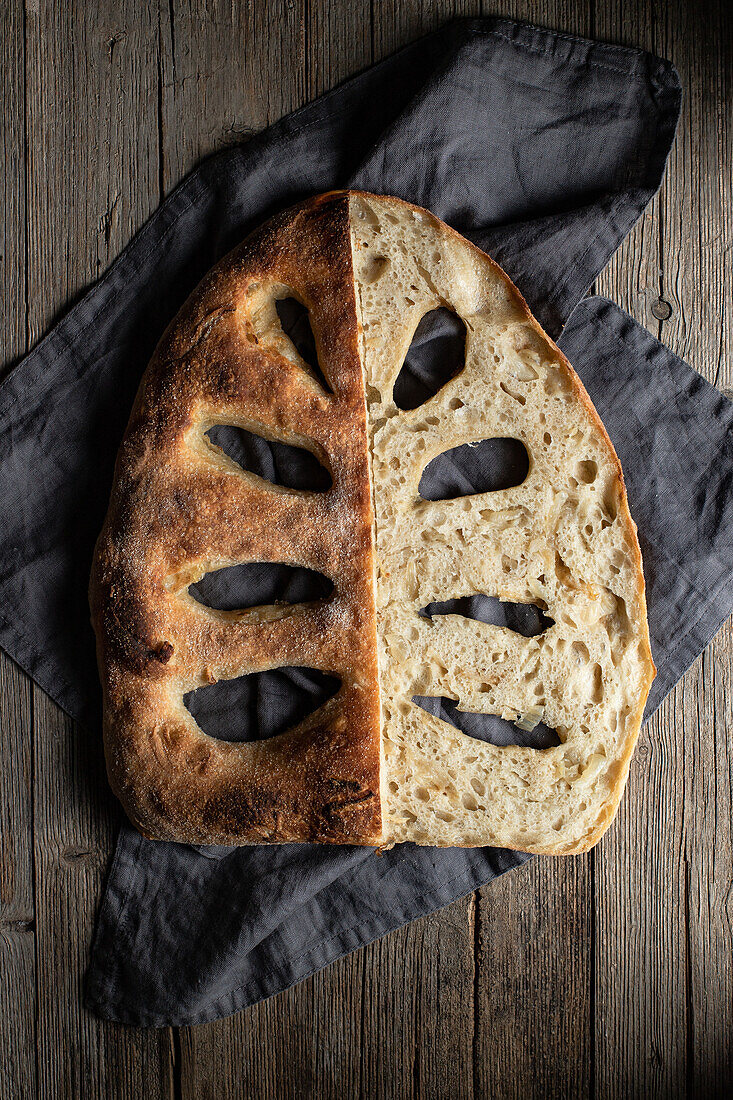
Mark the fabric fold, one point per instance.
(308, 928)
(543, 149)
(64, 407)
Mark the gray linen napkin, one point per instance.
(542, 148)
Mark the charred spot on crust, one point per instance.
(156, 802)
(332, 811)
(231, 811)
(225, 382)
(128, 632)
(163, 653)
(343, 784)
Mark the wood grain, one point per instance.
(227, 71)
(667, 915)
(17, 904)
(608, 975)
(697, 264)
(533, 1033)
(92, 176)
(639, 1043)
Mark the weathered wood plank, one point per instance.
(664, 886)
(640, 974)
(708, 873)
(17, 910)
(12, 208)
(533, 1037)
(92, 180)
(296, 1045)
(640, 982)
(228, 71)
(697, 256)
(633, 278)
(338, 43)
(697, 192)
(566, 16)
(418, 1008)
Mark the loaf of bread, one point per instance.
(371, 766)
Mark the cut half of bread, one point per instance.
(562, 540)
(372, 765)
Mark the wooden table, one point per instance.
(606, 975)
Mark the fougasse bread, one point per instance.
(370, 766)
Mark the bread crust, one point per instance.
(180, 507)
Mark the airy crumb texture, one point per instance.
(563, 540)
(367, 269)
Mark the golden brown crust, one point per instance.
(179, 508)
